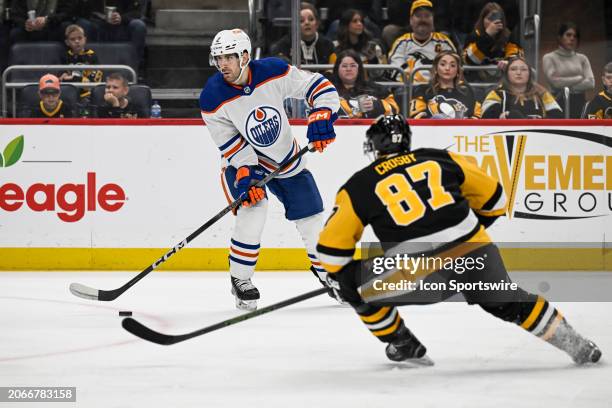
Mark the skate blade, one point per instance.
(248, 305)
(424, 361)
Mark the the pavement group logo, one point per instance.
(12, 152)
(547, 174)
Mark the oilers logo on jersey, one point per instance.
(263, 126)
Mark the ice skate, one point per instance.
(330, 291)
(246, 294)
(581, 350)
(407, 348)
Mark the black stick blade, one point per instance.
(140, 330)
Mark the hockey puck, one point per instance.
(125, 313)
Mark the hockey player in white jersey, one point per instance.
(242, 106)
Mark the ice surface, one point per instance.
(312, 354)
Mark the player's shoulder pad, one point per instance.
(267, 68)
(215, 92)
(430, 152)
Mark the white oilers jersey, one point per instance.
(249, 124)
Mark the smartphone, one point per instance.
(496, 15)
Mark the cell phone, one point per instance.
(496, 15)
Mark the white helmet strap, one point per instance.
(242, 66)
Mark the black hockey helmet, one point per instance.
(389, 134)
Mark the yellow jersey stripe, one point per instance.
(376, 316)
(534, 313)
(380, 333)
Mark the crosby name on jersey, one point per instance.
(247, 123)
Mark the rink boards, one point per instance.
(104, 196)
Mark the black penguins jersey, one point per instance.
(454, 103)
(600, 107)
(428, 195)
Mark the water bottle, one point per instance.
(155, 111)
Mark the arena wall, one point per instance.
(103, 195)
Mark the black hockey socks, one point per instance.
(383, 322)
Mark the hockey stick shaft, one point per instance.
(140, 330)
(108, 295)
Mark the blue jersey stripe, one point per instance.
(313, 86)
(229, 142)
(246, 246)
(240, 261)
(238, 151)
(323, 92)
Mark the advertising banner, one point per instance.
(87, 195)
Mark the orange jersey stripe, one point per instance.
(234, 250)
(234, 149)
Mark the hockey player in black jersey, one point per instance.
(429, 204)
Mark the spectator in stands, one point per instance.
(359, 98)
(398, 12)
(77, 54)
(51, 105)
(116, 20)
(447, 96)
(420, 47)
(370, 9)
(601, 106)
(117, 103)
(564, 67)
(519, 96)
(315, 49)
(45, 21)
(353, 35)
(490, 44)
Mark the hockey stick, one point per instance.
(87, 292)
(140, 330)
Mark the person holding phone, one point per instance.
(489, 43)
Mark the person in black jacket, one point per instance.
(78, 54)
(46, 22)
(519, 96)
(114, 20)
(117, 103)
(315, 48)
